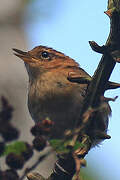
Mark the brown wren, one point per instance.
(51, 95)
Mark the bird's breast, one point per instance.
(60, 101)
(57, 100)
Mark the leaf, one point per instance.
(78, 145)
(62, 147)
(16, 147)
(59, 146)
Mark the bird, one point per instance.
(51, 94)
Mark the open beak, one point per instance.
(25, 56)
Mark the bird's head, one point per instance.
(42, 58)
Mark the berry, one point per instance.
(39, 143)
(15, 161)
(37, 129)
(47, 123)
(7, 110)
(47, 126)
(10, 174)
(9, 133)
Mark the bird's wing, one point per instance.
(79, 76)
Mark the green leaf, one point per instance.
(16, 147)
(78, 145)
(62, 147)
(59, 146)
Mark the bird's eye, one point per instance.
(45, 55)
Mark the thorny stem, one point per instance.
(102, 74)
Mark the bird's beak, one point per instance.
(25, 56)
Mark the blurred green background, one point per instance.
(67, 26)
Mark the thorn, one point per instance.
(95, 47)
(110, 99)
(101, 135)
(112, 85)
(108, 13)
